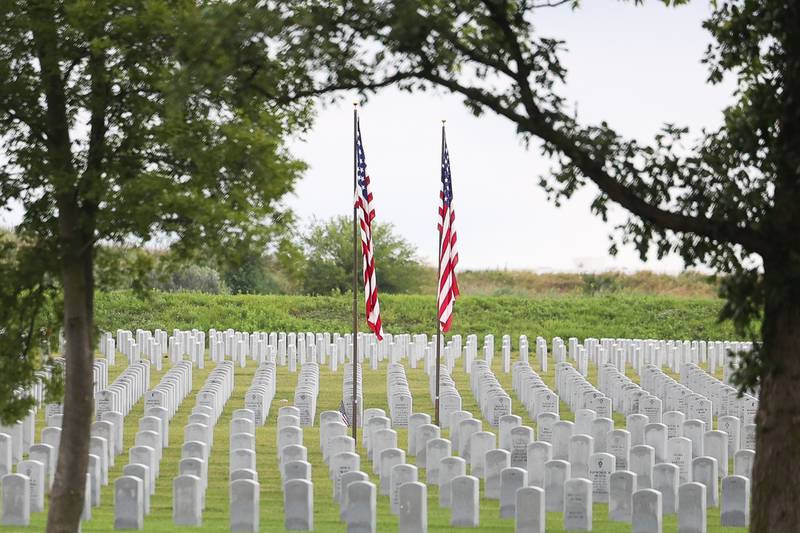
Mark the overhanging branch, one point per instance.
(703, 226)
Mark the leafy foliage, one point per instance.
(329, 259)
(255, 274)
(184, 150)
(193, 278)
(28, 326)
(126, 121)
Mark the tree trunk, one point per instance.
(776, 473)
(77, 258)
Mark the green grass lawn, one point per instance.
(326, 517)
(628, 316)
(582, 316)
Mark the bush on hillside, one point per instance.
(254, 275)
(328, 248)
(191, 278)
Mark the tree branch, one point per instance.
(537, 124)
(616, 191)
(98, 105)
(476, 55)
(29, 123)
(551, 3)
(59, 147)
(335, 87)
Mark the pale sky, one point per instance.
(635, 67)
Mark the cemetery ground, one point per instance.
(631, 317)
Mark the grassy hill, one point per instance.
(526, 283)
(602, 315)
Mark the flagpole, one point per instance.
(354, 418)
(438, 322)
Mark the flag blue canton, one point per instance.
(447, 184)
(361, 164)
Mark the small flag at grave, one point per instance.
(343, 411)
(366, 213)
(448, 255)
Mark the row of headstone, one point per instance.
(260, 346)
(331, 425)
(628, 397)
(670, 354)
(490, 395)
(126, 344)
(735, 415)
(125, 391)
(239, 345)
(296, 482)
(541, 350)
(153, 346)
(449, 397)
(189, 487)
(191, 343)
(347, 394)
(100, 374)
(15, 441)
(725, 399)
(578, 393)
(244, 485)
(259, 396)
(306, 393)
(107, 346)
(470, 352)
(353, 493)
(532, 392)
(673, 396)
(37, 473)
(143, 345)
(293, 349)
(172, 389)
(134, 489)
(726, 355)
(398, 395)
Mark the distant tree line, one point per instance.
(317, 260)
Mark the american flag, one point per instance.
(448, 254)
(343, 412)
(363, 201)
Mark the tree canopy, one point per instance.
(726, 198)
(329, 258)
(122, 121)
